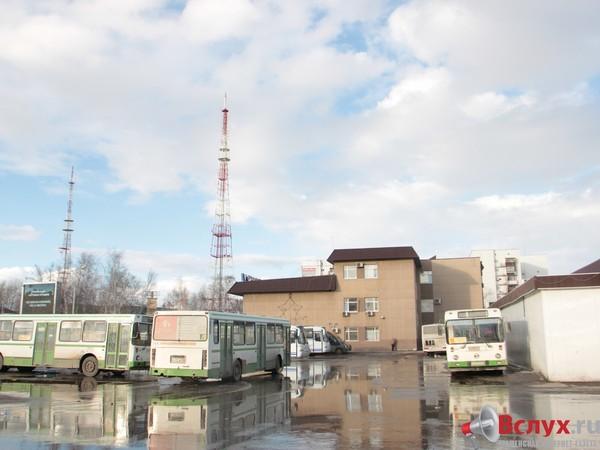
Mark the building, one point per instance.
(449, 283)
(505, 269)
(315, 268)
(370, 299)
(371, 295)
(553, 323)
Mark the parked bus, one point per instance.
(88, 342)
(433, 337)
(475, 339)
(210, 344)
(298, 346)
(317, 339)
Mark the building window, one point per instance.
(374, 402)
(371, 271)
(372, 334)
(426, 277)
(351, 305)
(350, 272)
(371, 304)
(351, 334)
(352, 401)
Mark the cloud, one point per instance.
(18, 233)
(16, 273)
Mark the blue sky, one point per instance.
(447, 126)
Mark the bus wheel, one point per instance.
(3, 368)
(237, 371)
(278, 367)
(89, 366)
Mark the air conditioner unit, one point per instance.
(437, 301)
(346, 313)
(360, 265)
(335, 330)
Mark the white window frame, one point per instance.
(347, 302)
(374, 275)
(369, 302)
(347, 272)
(347, 334)
(376, 329)
(426, 277)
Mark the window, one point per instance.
(250, 335)
(141, 334)
(372, 304)
(351, 305)
(350, 272)
(308, 333)
(426, 277)
(352, 401)
(180, 328)
(215, 331)
(371, 271)
(95, 331)
(23, 330)
(70, 331)
(279, 334)
(372, 333)
(270, 334)
(238, 333)
(5, 330)
(375, 402)
(351, 333)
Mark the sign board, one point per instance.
(40, 298)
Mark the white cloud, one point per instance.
(16, 273)
(515, 202)
(489, 105)
(18, 233)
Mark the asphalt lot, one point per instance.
(352, 401)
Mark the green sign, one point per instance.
(40, 298)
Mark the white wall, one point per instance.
(488, 275)
(573, 333)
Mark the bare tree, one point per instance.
(178, 297)
(86, 283)
(120, 287)
(10, 295)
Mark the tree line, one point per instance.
(108, 286)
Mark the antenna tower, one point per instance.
(221, 230)
(66, 248)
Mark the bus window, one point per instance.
(70, 331)
(215, 331)
(23, 330)
(180, 328)
(278, 334)
(238, 333)
(270, 334)
(294, 335)
(94, 331)
(250, 335)
(5, 330)
(141, 334)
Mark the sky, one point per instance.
(444, 125)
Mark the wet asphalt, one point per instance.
(354, 401)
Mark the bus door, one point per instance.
(226, 349)
(117, 345)
(43, 347)
(261, 349)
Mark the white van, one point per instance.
(317, 339)
(298, 345)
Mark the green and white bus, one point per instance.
(88, 342)
(210, 344)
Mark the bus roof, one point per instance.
(223, 315)
(472, 313)
(72, 316)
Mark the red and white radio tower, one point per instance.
(221, 230)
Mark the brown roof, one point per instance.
(549, 282)
(373, 254)
(321, 283)
(590, 268)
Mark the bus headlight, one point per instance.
(498, 356)
(455, 357)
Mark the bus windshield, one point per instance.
(474, 331)
(297, 336)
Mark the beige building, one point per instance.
(372, 296)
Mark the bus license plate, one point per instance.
(177, 359)
(478, 363)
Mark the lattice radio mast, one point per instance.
(221, 230)
(66, 247)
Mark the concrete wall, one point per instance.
(563, 326)
(398, 317)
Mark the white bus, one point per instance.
(317, 339)
(88, 342)
(433, 337)
(298, 346)
(210, 344)
(475, 339)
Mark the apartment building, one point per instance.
(370, 299)
(505, 269)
